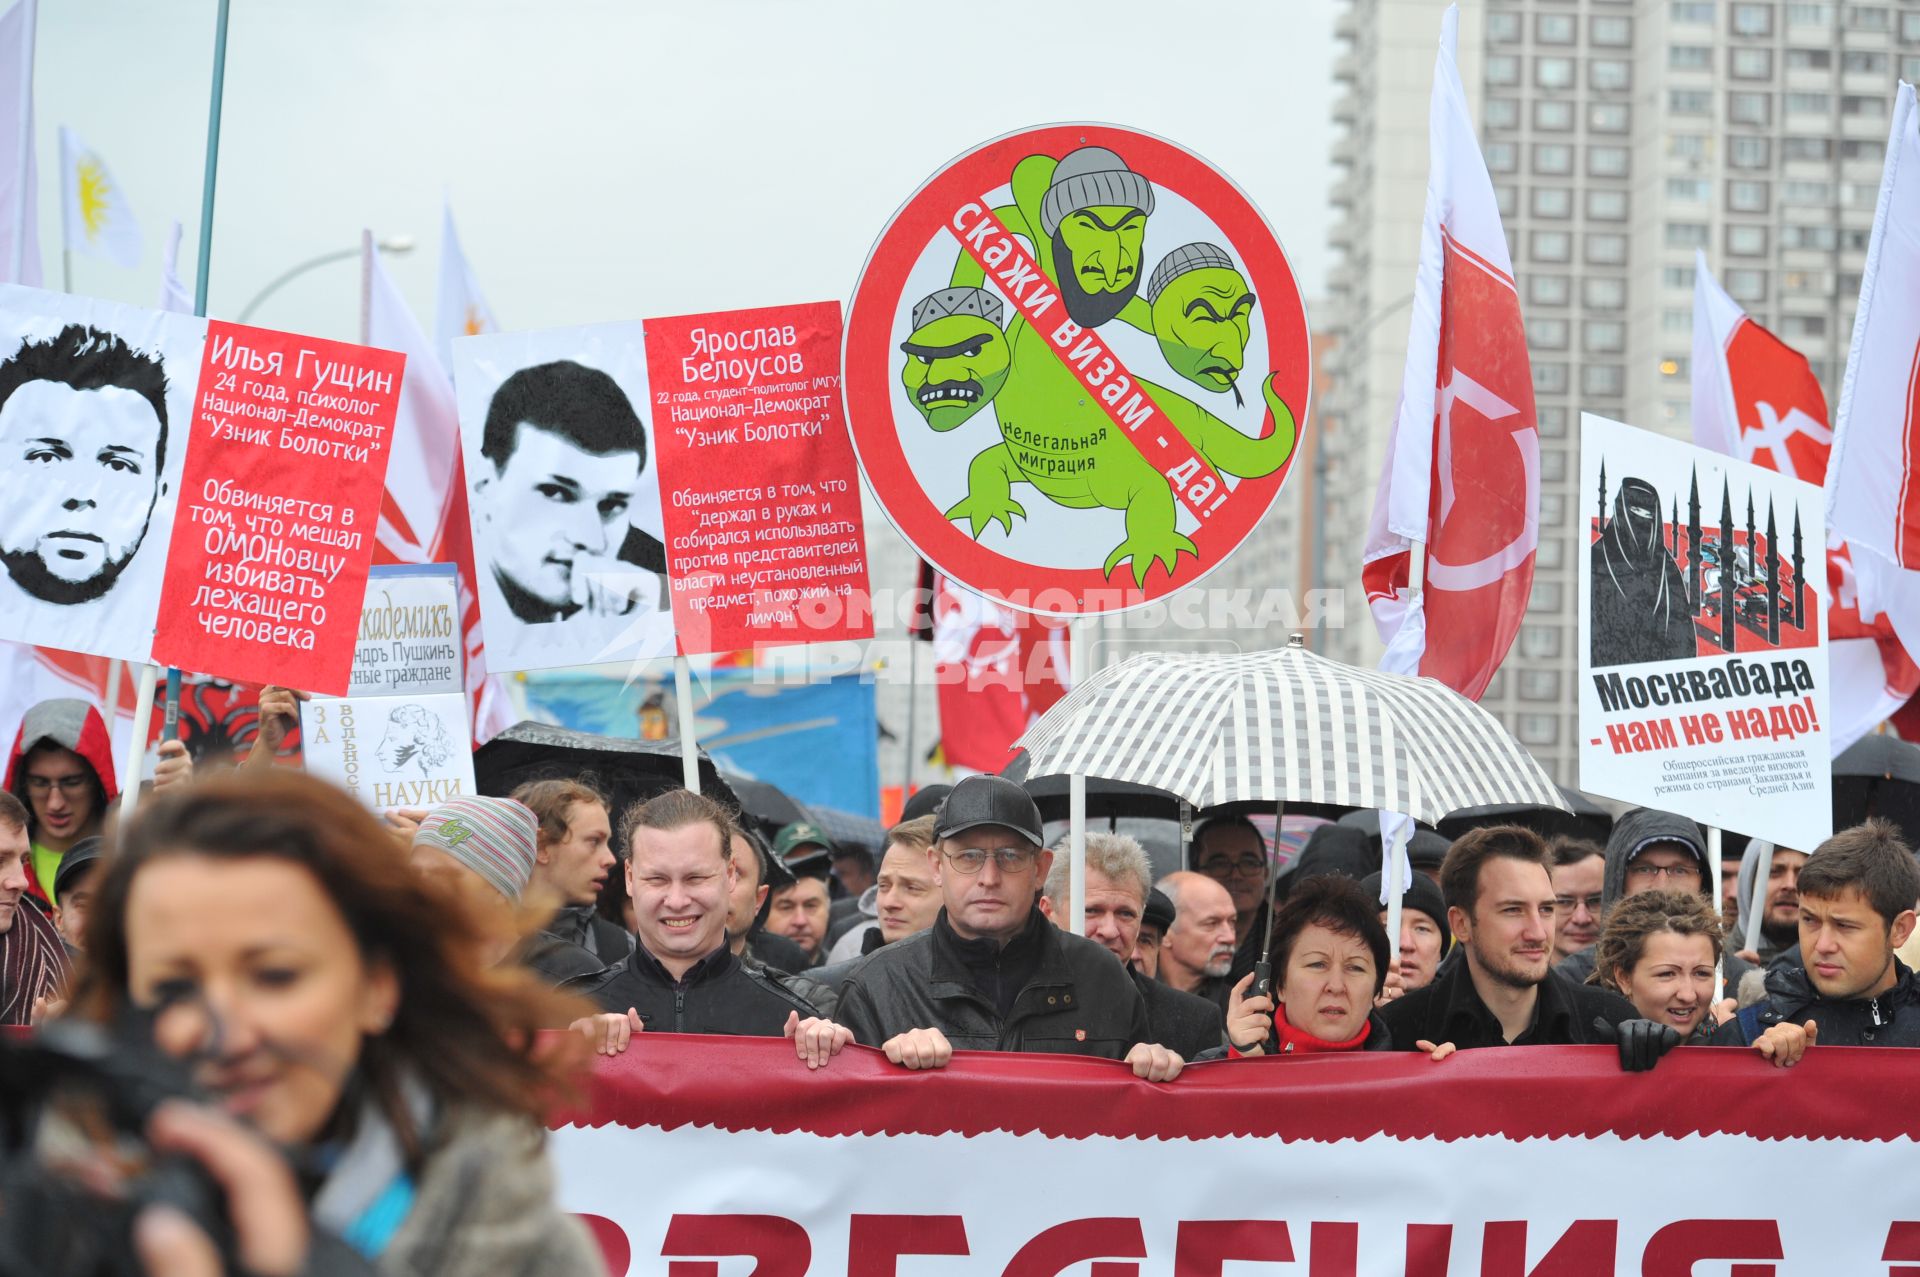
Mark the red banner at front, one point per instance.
(1499, 1163)
(290, 441)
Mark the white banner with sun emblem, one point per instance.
(95, 217)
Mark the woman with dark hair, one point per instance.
(1329, 956)
(335, 1003)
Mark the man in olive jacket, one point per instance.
(992, 974)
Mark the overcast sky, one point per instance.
(615, 159)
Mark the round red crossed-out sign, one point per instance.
(1053, 560)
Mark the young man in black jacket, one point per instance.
(1856, 894)
(991, 974)
(1500, 904)
(683, 977)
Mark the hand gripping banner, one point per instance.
(704, 1157)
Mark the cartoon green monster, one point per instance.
(956, 355)
(1090, 211)
(1202, 309)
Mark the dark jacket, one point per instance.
(777, 951)
(576, 949)
(1182, 1022)
(719, 995)
(1073, 1000)
(1892, 1019)
(1450, 1010)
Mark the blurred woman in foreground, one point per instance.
(336, 1004)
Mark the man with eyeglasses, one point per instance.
(1651, 850)
(1579, 869)
(992, 974)
(62, 769)
(1231, 850)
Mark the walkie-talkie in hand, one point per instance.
(1262, 986)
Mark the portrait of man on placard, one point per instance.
(557, 473)
(90, 452)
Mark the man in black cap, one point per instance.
(992, 974)
(1155, 917)
(73, 887)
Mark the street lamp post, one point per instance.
(395, 244)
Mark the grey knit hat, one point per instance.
(1183, 259)
(497, 838)
(958, 301)
(1089, 176)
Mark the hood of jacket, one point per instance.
(71, 724)
(1631, 835)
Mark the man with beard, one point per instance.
(1505, 993)
(1094, 214)
(1640, 610)
(83, 445)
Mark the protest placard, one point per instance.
(761, 494)
(95, 401)
(281, 493)
(390, 751)
(409, 641)
(565, 496)
(1703, 657)
(1004, 420)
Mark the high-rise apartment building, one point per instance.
(1621, 137)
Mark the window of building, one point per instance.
(1675, 320)
(1804, 283)
(1500, 113)
(1545, 598)
(1677, 276)
(1687, 146)
(1549, 290)
(1507, 198)
(1747, 285)
(1607, 161)
(1550, 552)
(1751, 19)
(1746, 151)
(1609, 117)
(1554, 115)
(1603, 380)
(1803, 325)
(1549, 379)
(1502, 157)
(1554, 28)
(1744, 62)
(1910, 66)
(1503, 68)
(1547, 334)
(1867, 17)
(1810, 15)
(1682, 366)
(1604, 205)
(1603, 293)
(1910, 25)
(1746, 240)
(1553, 510)
(1552, 201)
(1690, 57)
(1553, 73)
(1863, 105)
(1606, 75)
(1819, 193)
(1822, 238)
(1555, 159)
(1747, 196)
(1553, 468)
(1862, 148)
(1806, 148)
(1552, 246)
(1610, 32)
(1809, 59)
(1540, 729)
(1690, 11)
(1552, 420)
(1686, 234)
(1503, 26)
(1749, 108)
(1679, 101)
(1606, 250)
(1859, 194)
(1872, 61)
(1540, 685)
(1603, 337)
(1854, 238)
(1540, 640)
(1695, 190)
(1804, 103)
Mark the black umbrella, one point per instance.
(627, 771)
(765, 806)
(1878, 776)
(1587, 820)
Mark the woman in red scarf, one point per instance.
(1329, 962)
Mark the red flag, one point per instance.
(998, 670)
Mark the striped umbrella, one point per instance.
(1286, 726)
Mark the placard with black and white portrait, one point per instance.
(96, 402)
(564, 496)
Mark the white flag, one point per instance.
(95, 217)
(174, 295)
(1873, 478)
(19, 216)
(463, 310)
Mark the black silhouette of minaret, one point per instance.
(1603, 496)
(1693, 545)
(1674, 523)
(1799, 575)
(1753, 543)
(1726, 567)
(1773, 580)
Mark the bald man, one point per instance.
(1197, 953)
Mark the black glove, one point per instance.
(1642, 1042)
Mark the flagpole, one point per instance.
(1716, 874)
(683, 703)
(913, 694)
(366, 287)
(21, 179)
(1077, 794)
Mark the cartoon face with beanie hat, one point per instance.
(957, 357)
(1202, 315)
(1095, 213)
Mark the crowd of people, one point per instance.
(372, 997)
